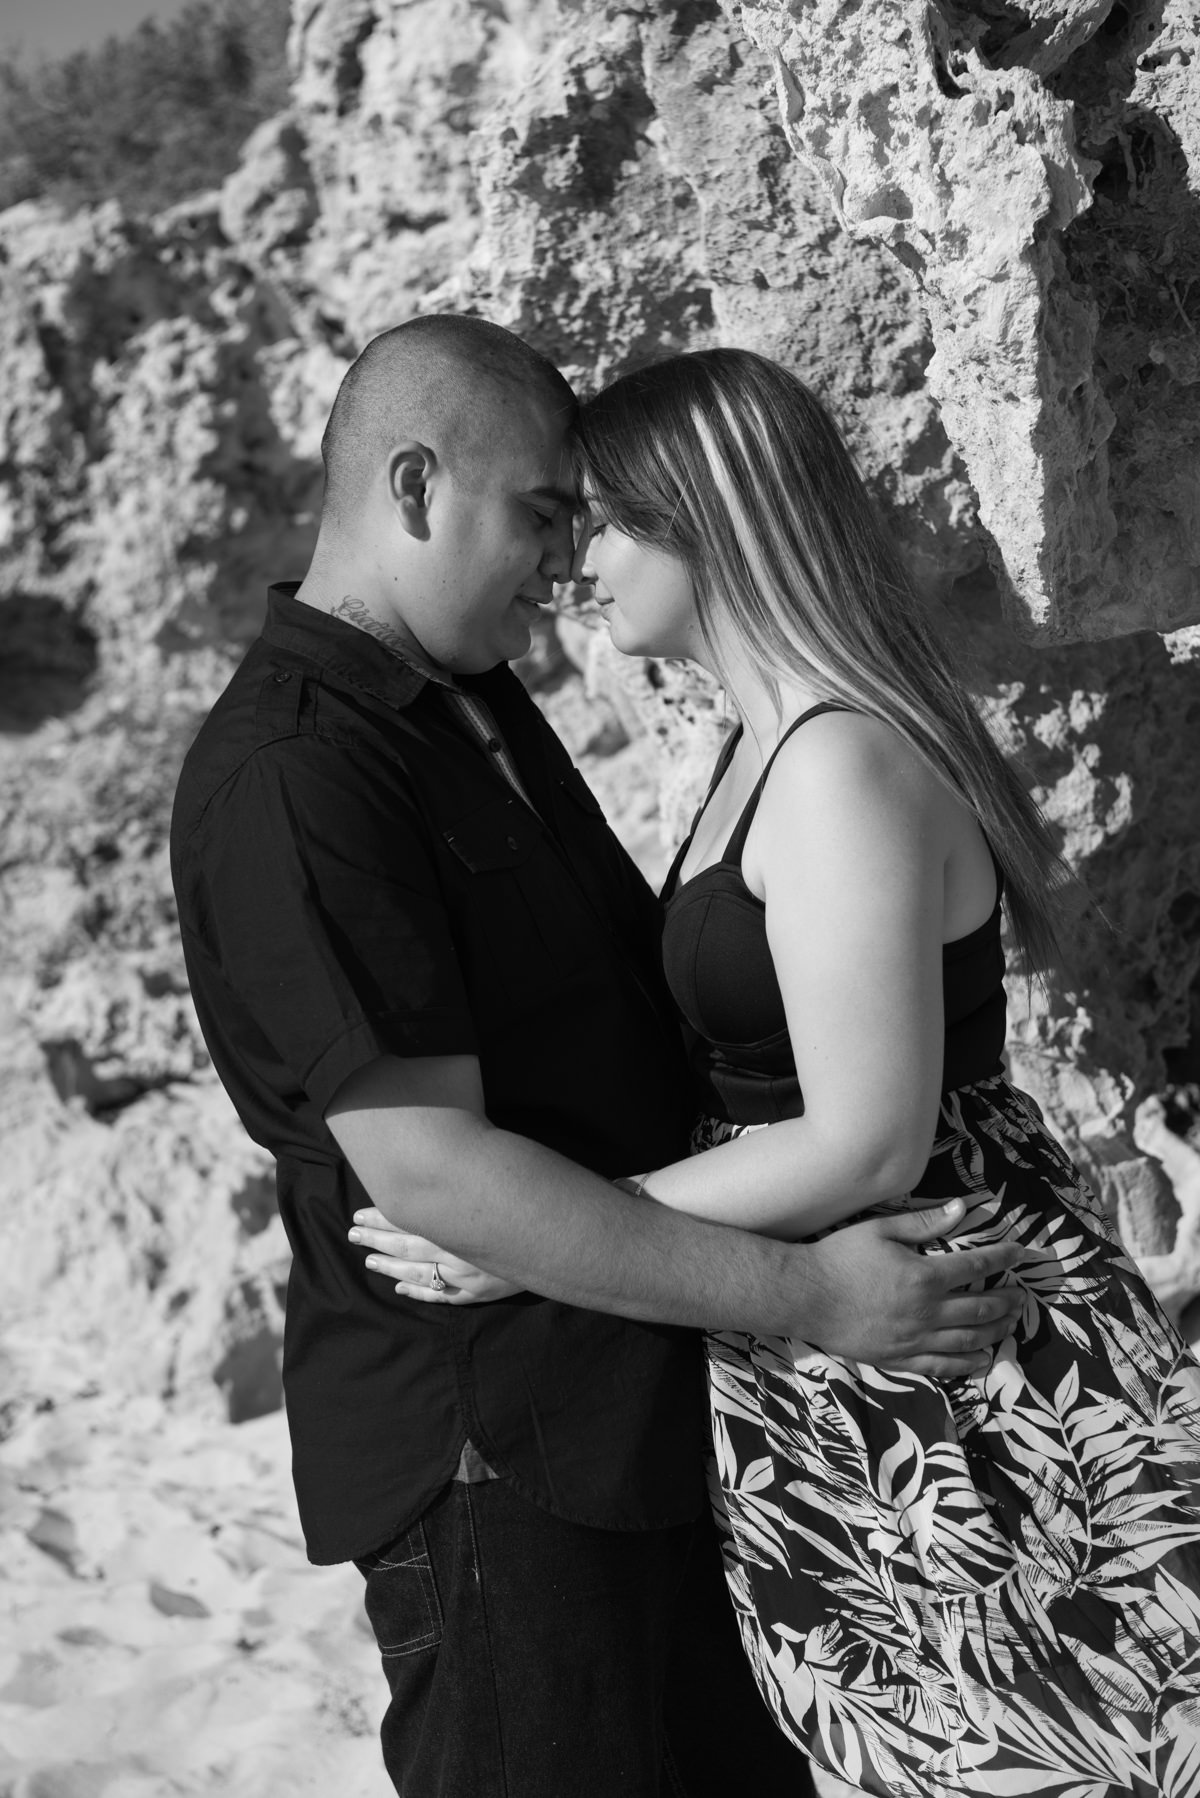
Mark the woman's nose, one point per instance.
(581, 561)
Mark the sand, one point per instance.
(161, 1631)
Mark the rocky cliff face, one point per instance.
(1036, 170)
(974, 232)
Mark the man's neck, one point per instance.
(350, 609)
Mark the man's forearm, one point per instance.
(521, 1210)
(417, 1136)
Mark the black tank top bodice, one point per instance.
(721, 976)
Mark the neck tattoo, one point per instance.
(354, 611)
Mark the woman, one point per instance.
(985, 1587)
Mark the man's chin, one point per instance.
(510, 648)
(520, 633)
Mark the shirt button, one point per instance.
(512, 843)
(493, 744)
(281, 679)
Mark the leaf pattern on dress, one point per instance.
(982, 1587)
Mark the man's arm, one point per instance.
(417, 1136)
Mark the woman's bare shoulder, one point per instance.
(852, 754)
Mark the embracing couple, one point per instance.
(951, 1538)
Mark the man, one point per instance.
(429, 979)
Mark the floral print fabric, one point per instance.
(985, 1587)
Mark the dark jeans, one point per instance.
(532, 1658)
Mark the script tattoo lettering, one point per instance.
(354, 611)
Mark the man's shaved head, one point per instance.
(440, 380)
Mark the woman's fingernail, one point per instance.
(356, 1235)
(371, 1261)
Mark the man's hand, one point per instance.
(874, 1298)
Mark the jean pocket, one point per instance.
(401, 1599)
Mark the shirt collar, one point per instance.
(342, 650)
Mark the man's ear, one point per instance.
(410, 469)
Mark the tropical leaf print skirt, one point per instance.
(978, 1587)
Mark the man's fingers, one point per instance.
(931, 1222)
(927, 1224)
(968, 1221)
(972, 1340)
(967, 1267)
(991, 1312)
(962, 1267)
(943, 1367)
(968, 1339)
(956, 1267)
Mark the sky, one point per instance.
(53, 27)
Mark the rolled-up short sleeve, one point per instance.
(321, 908)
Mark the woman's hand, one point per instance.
(418, 1265)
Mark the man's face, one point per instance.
(500, 535)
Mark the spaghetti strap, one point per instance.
(741, 830)
(724, 757)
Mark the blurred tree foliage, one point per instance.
(147, 118)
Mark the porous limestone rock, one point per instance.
(148, 483)
(1172, 1264)
(268, 206)
(639, 197)
(387, 94)
(1035, 169)
(1108, 731)
(143, 1233)
(137, 1211)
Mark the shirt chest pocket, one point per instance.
(521, 925)
(496, 838)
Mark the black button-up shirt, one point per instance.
(356, 878)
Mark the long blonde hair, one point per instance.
(726, 460)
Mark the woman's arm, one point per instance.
(416, 1134)
(849, 851)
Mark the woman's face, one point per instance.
(645, 594)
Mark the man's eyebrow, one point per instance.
(562, 496)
